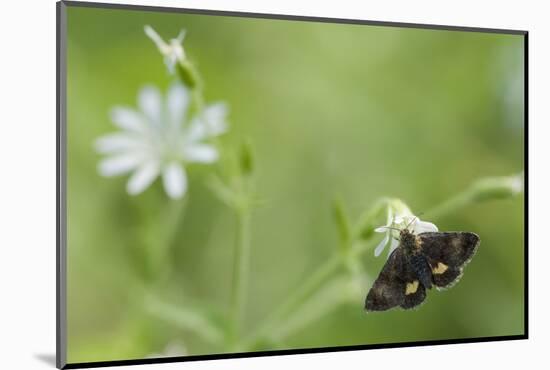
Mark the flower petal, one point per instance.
(118, 165)
(127, 119)
(142, 177)
(380, 247)
(390, 218)
(116, 143)
(394, 244)
(202, 153)
(153, 35)
(210, 123)
(174, 180)
(177, 102)
(196, 131)
(181, 36)
(214, 117)
(150, 103)
(424, 227)
(401, 220)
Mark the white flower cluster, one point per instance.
(400, 218)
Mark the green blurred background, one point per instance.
(353, 111)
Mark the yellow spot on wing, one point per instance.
(440, 268)
(411, 287)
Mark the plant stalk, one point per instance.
(241, 261)
(298, 298)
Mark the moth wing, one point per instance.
(388, 290)
(415, 293)
(447, 254)
(447, 278)
(396, 285)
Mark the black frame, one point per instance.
(61, 262)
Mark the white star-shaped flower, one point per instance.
(172, 51)
(158, 139)
(398, 220)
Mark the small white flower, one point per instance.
(172, 51)
(158, 139)
(398, 219)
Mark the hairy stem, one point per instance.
(450, 205)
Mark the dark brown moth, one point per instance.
(418, 263)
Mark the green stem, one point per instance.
(297, 299)
(187, 318)
(450, 205)
(241, 262)
(158, 233)
(310, 286)
(482, 190)
(329, 296)
(318, 278)
(198, 99)
(174, 219)
(308, 289)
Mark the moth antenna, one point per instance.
(390, 227)
(412, 221)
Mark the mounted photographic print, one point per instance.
(234, 184)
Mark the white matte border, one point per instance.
(27, 202)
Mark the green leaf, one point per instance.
(342, 223)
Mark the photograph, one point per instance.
(246, 184)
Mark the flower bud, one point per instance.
(342, 222)
(246, 159)
(498, 187)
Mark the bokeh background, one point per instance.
(353, 111)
